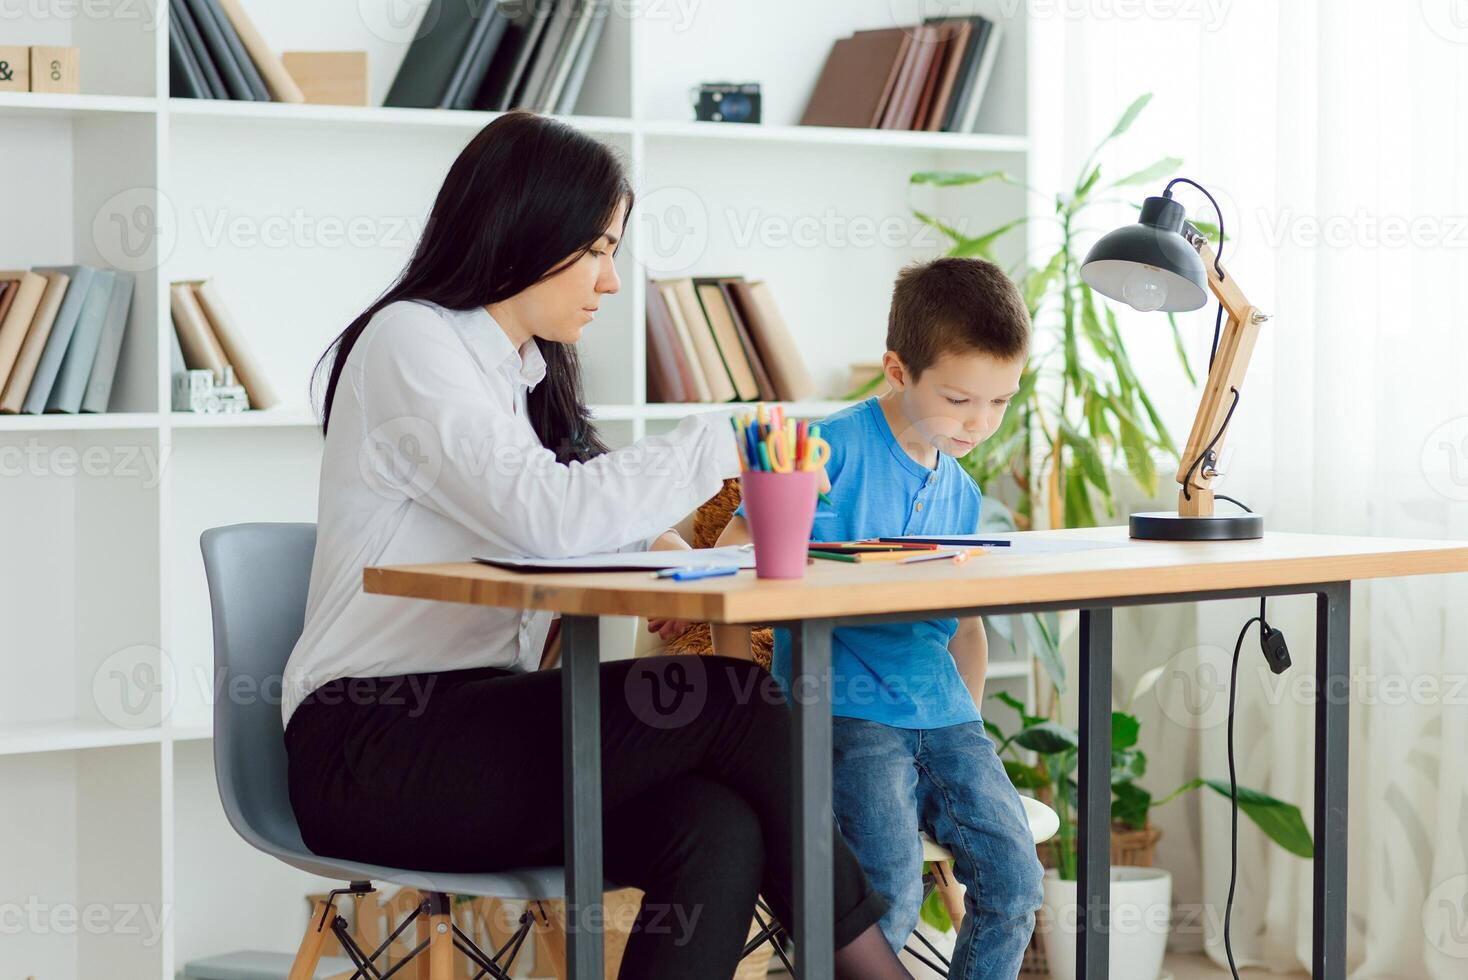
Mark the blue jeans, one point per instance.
(891, 782)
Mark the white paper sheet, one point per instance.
(630, 561)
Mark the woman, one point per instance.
(420, 735)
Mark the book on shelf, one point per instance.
(216, 52)
(687, 352)
(13, 389)
(719, 339)
(854, 88)
(929, 76)
(209, 339)
(278, 81)
(98, 389)
(198, 51)
(61, 335)
(500, 55)
(756, 363)
(236, 349)
(726, 338)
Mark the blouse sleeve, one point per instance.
(435, 433)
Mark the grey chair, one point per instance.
(258, 576)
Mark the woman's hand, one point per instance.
(667, 629)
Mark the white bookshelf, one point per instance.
(105, 693)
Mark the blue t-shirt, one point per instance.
(898, 674)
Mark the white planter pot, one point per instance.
(1141, 913)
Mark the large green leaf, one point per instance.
(1280, 821)
(1047, 738)
(1084, 187)
(1078, 509)
(1023, 776)
(1151, 173)
(1130, 804)
(959, 178)
(1124, 729)
(982, 245)
(1138, 455)
(1128, 765)
(1086, 456)
(932, 222)
(1128, 117)
(1038, 282)
(1025, 718)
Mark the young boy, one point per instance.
(910, 747)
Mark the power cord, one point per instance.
(1277, 653)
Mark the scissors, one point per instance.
(817, 453)
(781, 458)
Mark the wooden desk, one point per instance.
(839, 594)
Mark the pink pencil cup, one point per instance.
(781, 510)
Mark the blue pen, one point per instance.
(689, 574)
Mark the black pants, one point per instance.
(461, 771)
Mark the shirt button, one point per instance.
(932, 477)
(919, 505)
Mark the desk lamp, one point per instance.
(1164, 263)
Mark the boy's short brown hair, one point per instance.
(952, 305)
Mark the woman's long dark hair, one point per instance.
(526, 193)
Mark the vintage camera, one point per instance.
(197, 391)
(726, 102)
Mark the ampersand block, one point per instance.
(15, 69)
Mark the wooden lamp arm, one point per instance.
(1225, 376)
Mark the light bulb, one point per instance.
(1144, 288)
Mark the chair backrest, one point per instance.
(258, 577)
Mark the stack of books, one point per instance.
(215, 52)
(720, 339)
(207, 338)
(929, 76)
(529, 54)
(61, 332)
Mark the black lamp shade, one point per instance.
(1154, 243)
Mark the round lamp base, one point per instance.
(1166, 525)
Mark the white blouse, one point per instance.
(430, 457)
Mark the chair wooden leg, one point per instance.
(550, 940)
(949, 890)
(441, 947)
(422, 962)
(308, 956)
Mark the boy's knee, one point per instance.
(1014, 890)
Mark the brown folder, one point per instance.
(856, 80)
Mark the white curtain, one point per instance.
(1335, 137)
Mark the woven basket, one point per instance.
(1129, 849)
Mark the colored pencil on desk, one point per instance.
(831, 555)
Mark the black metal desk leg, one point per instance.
(1332, 718)
(1093, 844)
(810, 691)
(581, 783)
